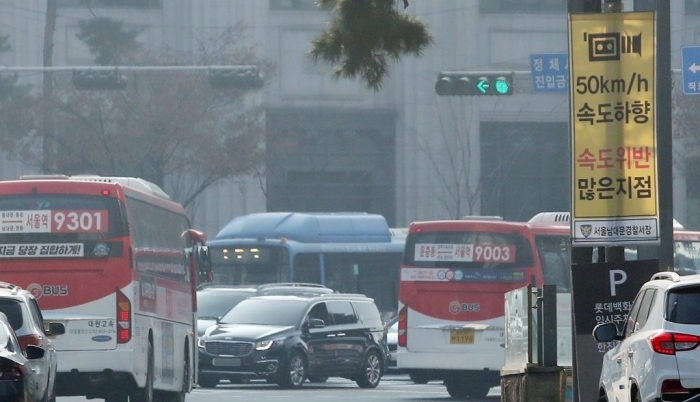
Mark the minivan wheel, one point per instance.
(371, 371)
(293, 374)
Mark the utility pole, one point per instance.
(48, 140)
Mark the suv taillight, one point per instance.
(123, 318)
(403, 326)
(672, 387)
(668, 343)
(31, 339)
(12, 372)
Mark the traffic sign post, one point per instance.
(690, 62)
(550, 72)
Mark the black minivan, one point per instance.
(288, 339)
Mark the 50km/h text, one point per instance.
(599, 84)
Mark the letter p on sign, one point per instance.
(617, 277)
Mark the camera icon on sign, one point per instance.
(609, 46)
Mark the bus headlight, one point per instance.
(272, 343)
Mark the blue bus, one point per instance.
(348, 252)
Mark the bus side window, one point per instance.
(307, 268)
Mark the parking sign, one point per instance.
(550, 72)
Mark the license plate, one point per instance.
(226, 362)
(462, 336)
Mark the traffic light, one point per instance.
(99, 79)
(242, 77)
(474, 83)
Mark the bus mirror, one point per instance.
(195, 236)
(203, 262)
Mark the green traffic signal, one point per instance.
(502, 86)
(483, 85)
(468, 83)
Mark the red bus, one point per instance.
(114, 260)
(686, 251)
(454, 277)
(686, 243)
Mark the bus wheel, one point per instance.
(419, 378)
(145, 394)
(456, 388)
(179, 396)
(207, 381)
(117, 396)
(478, 390)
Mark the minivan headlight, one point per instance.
(272, 343)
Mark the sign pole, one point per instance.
(664, 129)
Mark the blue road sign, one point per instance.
(550, 72)
(690, 61)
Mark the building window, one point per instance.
(111, 3)
(692, 6)
(520, 6)
(298, 5)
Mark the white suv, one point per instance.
(25, 318)
(657, 357)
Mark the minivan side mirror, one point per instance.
(316, 323)
(606, 332)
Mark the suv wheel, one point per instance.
(371, 371)
(294, 373)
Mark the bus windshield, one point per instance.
(686, 256)
(249, 265)
(556, 265)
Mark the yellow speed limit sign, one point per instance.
(614, 184)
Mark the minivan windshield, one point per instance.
(213, 304)
(282, 312)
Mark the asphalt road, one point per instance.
(392, 388)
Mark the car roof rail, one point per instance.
(10, 286)
(346, 296)
(223, 285)
(291, 284)
(666, 275)
(293, 289)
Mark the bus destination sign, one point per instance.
(54, 221)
